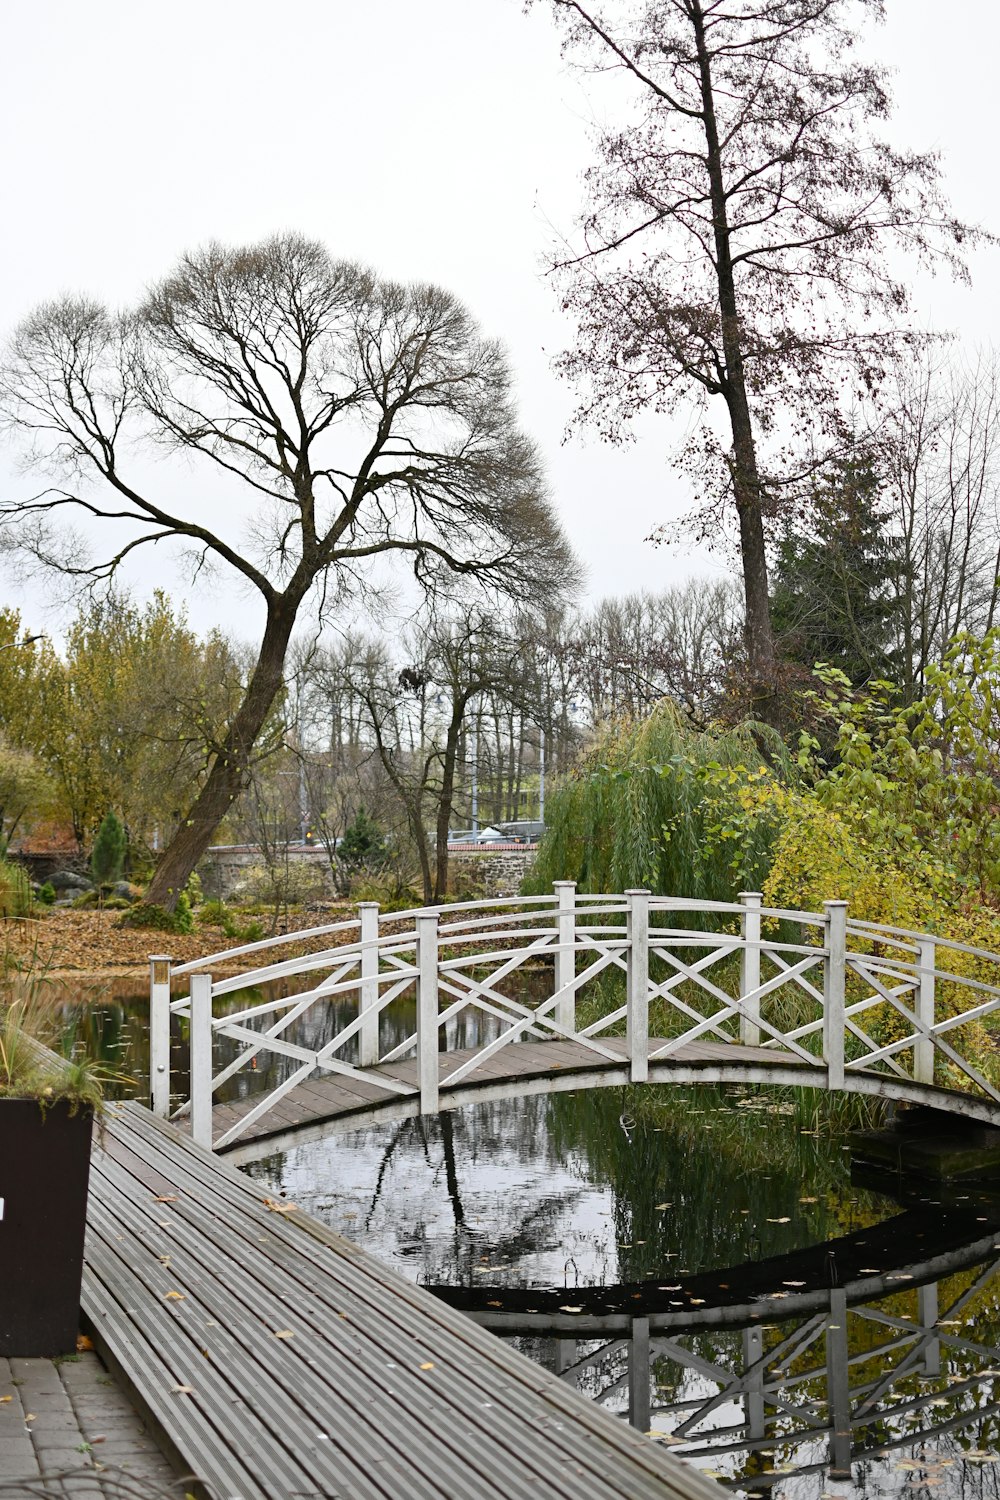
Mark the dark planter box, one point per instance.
(44, 1174)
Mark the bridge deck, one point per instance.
(351, 1100)
(277, 1359)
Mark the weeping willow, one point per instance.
(659, 804)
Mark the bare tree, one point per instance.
(418, 712)
(359, 418)
(736, 245)
(940, 473)
(682, 643)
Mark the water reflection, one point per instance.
(701, 1264)
(713, 1276)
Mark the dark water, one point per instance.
(703, 1264)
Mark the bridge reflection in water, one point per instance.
(901, 1358)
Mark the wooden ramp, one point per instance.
(277, 1360)
(350, 1102)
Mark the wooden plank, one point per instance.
(353, 1255)
(482, 1421)
(368, 1402)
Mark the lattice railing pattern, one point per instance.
(833, 995)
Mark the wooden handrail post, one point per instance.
(368, 1036)
(750, 967)
(637, 1017)
(564, 1013)
(428, 1074)
(834, 991)
(201, 1059)
(923, 1050)
(159, 1034)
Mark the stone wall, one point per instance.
(222, 869)
(492, 872)
(496, 872)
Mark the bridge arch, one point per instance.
(567, 991)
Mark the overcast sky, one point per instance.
(435, 139)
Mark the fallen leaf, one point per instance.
(284, 1333)
(279, 1206)
(793, 1283)
(167, 1198)
(785, 1220)
(83, 1343)
(182, 1390)
(29, 1416)
(571, 1309)
(174, 1297)
(5, 1398)
(428, 1365)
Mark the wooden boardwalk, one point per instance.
(351, 1102)
(277, 1360)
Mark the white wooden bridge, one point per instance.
(560, 992)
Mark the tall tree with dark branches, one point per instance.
(350, 417)
(740, 246)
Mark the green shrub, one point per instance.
(218, 914)
(393, 890)
(107, 858)
(47, 893)
(157, 919)
(362, 847)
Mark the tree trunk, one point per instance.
(761, 654)
(447, 796)
(227, 777)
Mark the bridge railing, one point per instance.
(624, 977)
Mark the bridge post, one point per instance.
(639, 1375)
(159, 1034)
(201, 1059)
(838, 1392)
(564, 1013)
(637, 1015)
(753, 1383)
(750, 967)
(368, 1036)
(427, 1012)
(834, 991)
(923, 1050)
(927, 1312)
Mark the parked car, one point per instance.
(526, 831)
(488, 835)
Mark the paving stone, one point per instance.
(14, 1448)
(53, 1460)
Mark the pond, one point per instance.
(709, 1265)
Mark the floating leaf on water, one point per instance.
(785, 1220)
(571, 1309)
(793, 1283)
